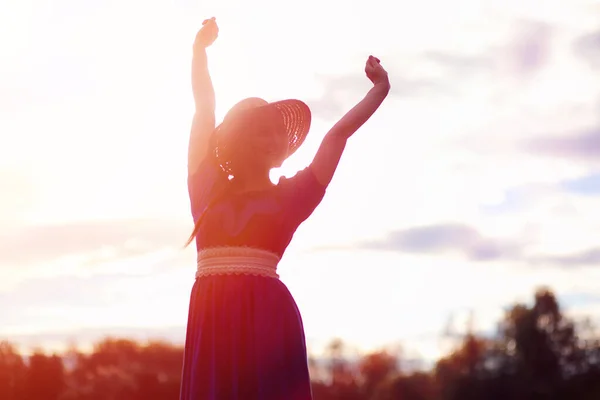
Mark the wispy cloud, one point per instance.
(340, 91)
(447, 238)
(582, 145)
(588, 257)
(530, 48)
(62, 291)
(466, 242)
(435, 72)
(106, 239)
(587, 47)
(525, 52)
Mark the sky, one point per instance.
(476, 182)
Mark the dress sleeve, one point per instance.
(203, 185)
(303, 193)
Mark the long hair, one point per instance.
(195, 231)
(224, 192)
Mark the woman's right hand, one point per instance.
(207, 34)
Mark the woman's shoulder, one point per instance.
(301, 193)
(303, 180)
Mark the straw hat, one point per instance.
(294, 114)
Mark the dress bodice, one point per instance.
(264, 219)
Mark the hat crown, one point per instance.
(245, 105)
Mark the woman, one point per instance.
(245, 338)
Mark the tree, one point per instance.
(45, 377)
(416, 386)
(541, 344)
(375, 369)
(12, 372)
(458, 375)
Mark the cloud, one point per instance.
(137, 293)
(524, 53)
(340, 91)
(113, 238)
(581, 145)
(107, 295)
(36, 293)
(444, 72)
(531, 46)
(460, 64)
(467, 242)
(587, 47)
(584, 258)
(447, 238)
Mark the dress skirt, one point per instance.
(245, 341)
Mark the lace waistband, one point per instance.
(237, 261)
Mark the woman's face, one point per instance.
(264, 144)
(270, 141)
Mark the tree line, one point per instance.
(536, 353)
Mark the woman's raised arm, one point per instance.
(330, 152)
(204, 96)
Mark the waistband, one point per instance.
(237, 261)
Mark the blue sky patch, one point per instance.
(588, 185)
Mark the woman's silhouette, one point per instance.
(245, 338)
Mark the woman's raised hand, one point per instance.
(375, 72)
(207, 34)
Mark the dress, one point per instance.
(245, 339)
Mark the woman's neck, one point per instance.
(254, 183)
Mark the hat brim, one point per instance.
(296, 117)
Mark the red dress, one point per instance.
(245, 339)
